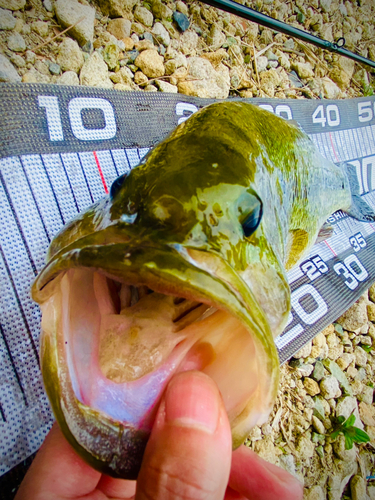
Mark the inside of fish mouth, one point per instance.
(123, 343)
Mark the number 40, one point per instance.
(332, 112)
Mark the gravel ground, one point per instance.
(197, 50)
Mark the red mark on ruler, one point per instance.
(100, 172)
(334, 253)
(333, 147)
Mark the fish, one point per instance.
(182, 266)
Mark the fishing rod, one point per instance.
(276, 25)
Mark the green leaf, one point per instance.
(349, 422)
(348, 442)
(366, 348)
(230, 41)
(360, 436)
(340, 419)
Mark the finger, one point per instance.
(117, 488)
(58, 472)
(189, 451)
(233, 495)
(257, 479)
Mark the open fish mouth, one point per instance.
(113, 338)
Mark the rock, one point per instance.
(8, 72)
(360, 356)
(305, 447)
(367, 413)
(344, 360)
(16, 43)
(366, 395)
(358, 488)
(188, 42)
(129, 43)
(236, 55)
(54, 68)
(329, 387)
(318, 426)
(336, 372)
(150, 88)
(355, 316)
(306, 370)
(216, 57)
(304, 352)
(7, 21)
(215, 38)
(42, 67)
(34, 76)
(94, 72)
(181, 20)
(303, 70)
(68, 12)
(312, 387)
(314, 493)
(166, 87)
(321, 407)
(371, 311)
(371, 293)
(371, 491)
(68, 78)
(12, 4)
(18, 60)
(160, 10)
(318, 373)
(150, 63)
(117, 8)
(132, 55)
(262, 62)
(319, 347)
(47, 4)
(70, 56)
(182, 7)
(41, 28)
(161, 34)
(120, 28)
(206, 81)
(346, 406)
(144, 16)
(140, 78)
(325, 87)
(110, 55)
(145, 45)
(338, 480)
(340, 450)
(265, 448)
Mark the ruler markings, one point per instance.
(114, 163)
(84, 175)
(53, 191)
(70, 185)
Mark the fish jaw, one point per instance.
(110, 442)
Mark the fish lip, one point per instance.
(169, 269)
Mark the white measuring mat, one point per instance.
(57, 165)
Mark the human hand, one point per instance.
(188, 457)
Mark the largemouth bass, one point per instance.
(183, 266)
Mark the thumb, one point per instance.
(189, 452)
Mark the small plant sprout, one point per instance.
(351, 433)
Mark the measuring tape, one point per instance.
(62, 147)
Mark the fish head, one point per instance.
(172, 271)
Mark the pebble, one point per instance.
(18, 60)
(54, 68)
(305, 370)
(160, 10)
(215, 38)
(205, 80)
(344, 360)
(16, 43)
(7, 21)
(94, 72)
(360, 356)
(143, 15)
(150, 63)
(314, 493)
(110, 55)
(303, 70)
(34, 76)
(181, 20)
(367, 395)
(166, 87)
(188, 43)
(371, 311)
(140, 78)
(367, 413)
(329, 387)
(8, 72)
(311, 386)
(120, 28)
(182, 7)
(358, 488)
(47, 4)
(355, 316)
(318, 426)
(318, 373)
(161, 34)
(338, 374)
(68, 12)
(70, 57)
(13, 4)
(68, 78)
(262, 63)
(41, 28)
(116, 8)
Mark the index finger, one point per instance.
(257, 479)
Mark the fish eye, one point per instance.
(252, 220)
(116, 185)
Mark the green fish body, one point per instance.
(183, 266)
